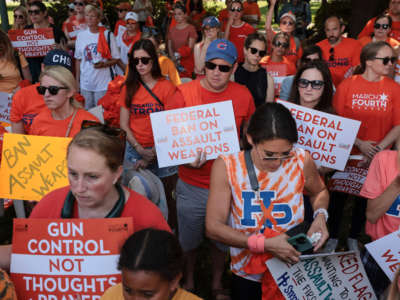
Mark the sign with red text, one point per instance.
(5, 106)
(59, 259)
(338, 275)
(278, 73)
(386, 252)
(351, 180)
(32, 42)
(328, 138)
(180, 134)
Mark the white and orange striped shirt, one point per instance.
(282, 195)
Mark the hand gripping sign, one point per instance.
(32, 42)
(180, 133)
(60, 259)
(327, 137)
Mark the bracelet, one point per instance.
(321, 211)
(255, 242)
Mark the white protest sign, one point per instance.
(386, 252)
(5, 106)
(339, 275)
(180, 133)
(327, 137)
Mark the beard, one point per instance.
(333, 39)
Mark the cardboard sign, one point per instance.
(180, 133)
(351, 180)
(32, 166)
(323, 276)
(32, 42)
(327, 137)
(386, 252)
(59, 259)
(5, 106)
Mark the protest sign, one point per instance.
(350, 180)
(338, 275)
(59, 259)
(386, 252)
(278, 73)
(180, 133)
(32, 166)
(5, 106)
(327, 137)
(32, 42)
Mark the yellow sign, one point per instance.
(32, 166)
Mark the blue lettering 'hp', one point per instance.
(251, 208)
(394, 209)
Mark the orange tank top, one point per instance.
(282, 202)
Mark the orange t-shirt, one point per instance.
(243, 108)
(25, 105)
(367, 39)
(223, 17)
(374, 103)
(346, 56)
(369, 29)
(278, 70)
(142, 105)
(237, 35)
(251, 9)
(45, 125)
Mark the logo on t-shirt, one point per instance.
(90, 53)
(394, 210)
(338, 62)
(372, 102)
(145, 109)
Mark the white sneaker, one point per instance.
(330, 246)
(352, 244)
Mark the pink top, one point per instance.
(382, 171)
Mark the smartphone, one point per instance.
(301, 243)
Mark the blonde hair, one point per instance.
(91, 8)
(24, 11)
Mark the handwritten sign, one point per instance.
(323, 276)
(327, 137)
(32, 166)
(32, 42)
(351, 180)
(179, 134)
(5, 106)
(386, 252)
(58, 259)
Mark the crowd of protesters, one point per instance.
(136, 68)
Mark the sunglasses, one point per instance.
(254, 51)
(315, 84)
(131, 22)
(109, 130)
(287, 23)
(79, 3)
(53, 89)
(332, 54)
(283, 45)
(236, 9)
(144, 60)
(34, 11)
(384, 26)
(385, 60)
(222, 68)
(122, 10)
(19, 17)
(272, 158)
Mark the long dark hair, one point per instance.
(133, 79)
(369, 52)
(325, 102)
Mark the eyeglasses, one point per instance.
(236, 9)
(53, 89)
(287, 23)
(384, 26)
(385, 60)
(18, 17)
(34, 11)
(283, 45)
(109, 130)
(79, 3)
(262, 53)
(332, 54)
(154, 31)
(144, 60)
(222, 68)
(315, 84)
(122, 10)
(272, 158)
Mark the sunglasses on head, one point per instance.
(236, 9)
(53, 89)
(332, 54)
(315, 84)
(262, 53)
(384, 26)
(109, 130)
(79, 3)
(385, 60)
(18, 17)
(283, 45)
(144, 60)
(34, 11)
(287, 23)
(222, 68)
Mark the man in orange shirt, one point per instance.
(194, 179)
(251, 12)
(394, 12)
(27, 103)
(342, 54)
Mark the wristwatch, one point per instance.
(321, 211)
